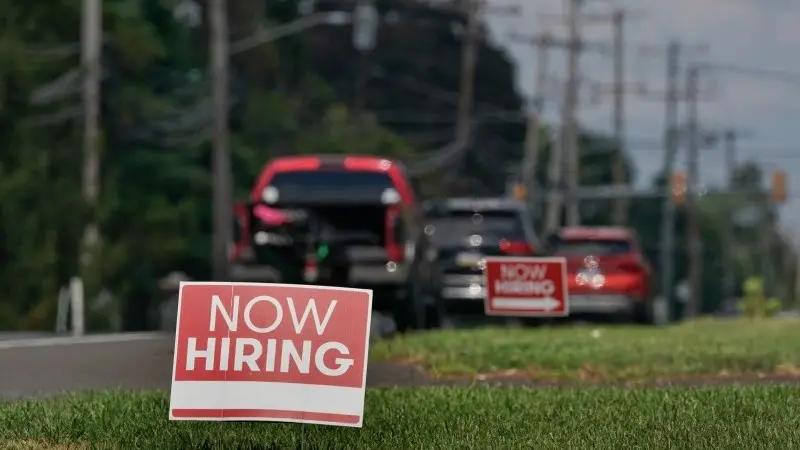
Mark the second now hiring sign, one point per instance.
(271, 352)
(526, 287)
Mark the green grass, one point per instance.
(708, 347)
(436, 418)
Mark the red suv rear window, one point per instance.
(595, 247)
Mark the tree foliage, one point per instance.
(154, 210)
(290, 96)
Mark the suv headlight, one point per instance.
(270, 194)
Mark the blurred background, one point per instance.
(655, 115)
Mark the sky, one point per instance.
(751, 33)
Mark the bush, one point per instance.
(755, 303)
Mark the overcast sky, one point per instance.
(752, 33)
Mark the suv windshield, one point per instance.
(595, 247)
(493, 226)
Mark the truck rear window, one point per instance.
(320, 178)
(340, 183)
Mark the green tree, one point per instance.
(413, 79)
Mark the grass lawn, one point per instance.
(705, 347)
(435, 418)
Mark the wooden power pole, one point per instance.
(568, 120)
(469, 56)
(620, 211)
(222, 197)
(533, 135)
(568, 144)
(91, 51)
(692, 175)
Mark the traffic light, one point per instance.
(323, 251)
(779, 193)
(520, 191)
(678, 188)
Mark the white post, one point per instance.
(62, 312)
(77, 306)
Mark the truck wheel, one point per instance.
(434, 316)
(403, 310)
(402, 319)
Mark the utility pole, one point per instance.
(466, 93)
(535, 121)
(775, 195)
(620, 212)
(365, 30)
(569, 126)
(728, 276)
(693, 226)
(555, 177)
(558, 155)
(766, 230)
(469, 58)
(674, 134)
(568, 144)
(729, 137)
(91, 50)
(670, 155)
(796, 277)
(222, 197)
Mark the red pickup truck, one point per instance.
(366, 206)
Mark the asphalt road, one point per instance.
(37, 366)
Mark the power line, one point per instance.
(447, 96)
(760, 72)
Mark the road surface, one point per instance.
(38, 366)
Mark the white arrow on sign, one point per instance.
(535, 304)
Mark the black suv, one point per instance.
(462, 231)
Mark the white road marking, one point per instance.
(83, 340)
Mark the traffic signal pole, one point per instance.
(670, 155)
(693, 225)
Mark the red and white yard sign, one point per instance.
(271, 352)
(526, 287)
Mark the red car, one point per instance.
(368, 207)
(607, 272)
